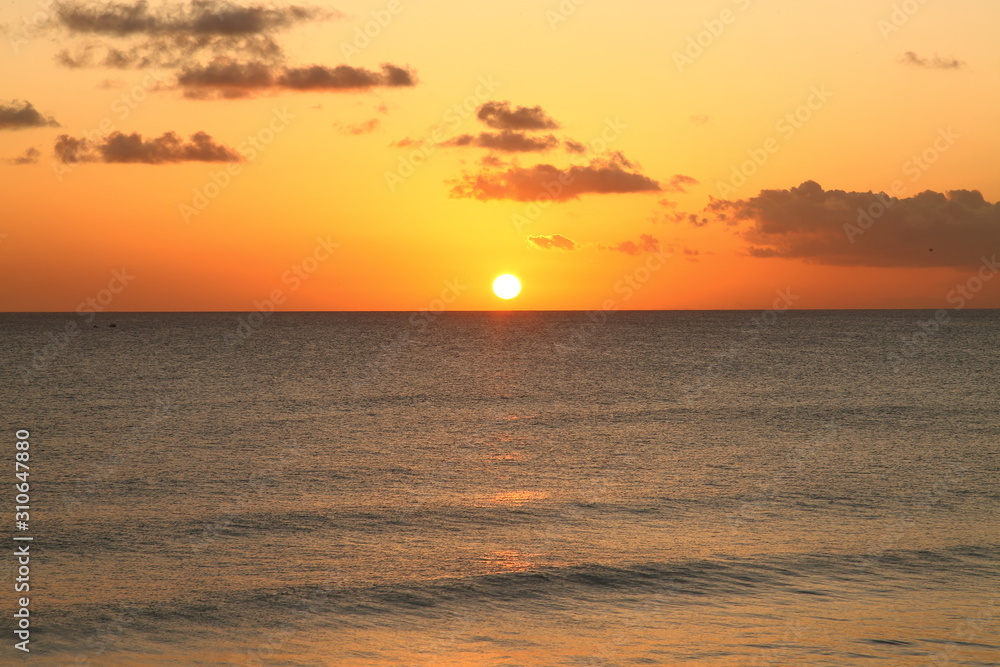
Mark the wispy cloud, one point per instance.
(357, 129)
(553, 242)
(937, 62)
(647, 243)
(679, 183)
(29, 156)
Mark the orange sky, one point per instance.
(301, 186)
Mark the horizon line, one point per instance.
(498, 310)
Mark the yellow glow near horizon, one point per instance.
(352, 165)
(506, 286)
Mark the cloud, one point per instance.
(679, 183)
(233, 79)
(574, 146)
(132, 148)
(929, 229)
(169, 51)
(508, 141)
(646, 244)
(356, 129)
(200, 17)
(17, 115)
(669, 212)
(172, 34)
(554, 242)
(344, 77)
(30, 156)
(937, 62)
(545, 181)
(499, 116)
(700, 119)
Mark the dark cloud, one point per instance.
(173, 35)
(132, 148)
(227, 75)
(508, 141)
(500, 116)
(554, 242)
(30, 156)
(544, 181)
(343, 77)
(200, 17)
(17, 115)
(574, 146)
(937, 62)
(169, 51)
(679, 183)
(234, 79)
(865, 229)
(71, 150)
(646, 244)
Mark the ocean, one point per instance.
(507, 488)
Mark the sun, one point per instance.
(506, 286)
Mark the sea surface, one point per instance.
(631, 488)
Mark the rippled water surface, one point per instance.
(511, 488)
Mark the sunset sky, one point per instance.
(633, 155)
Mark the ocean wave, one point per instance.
(680, 583)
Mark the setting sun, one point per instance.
(506, 286)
